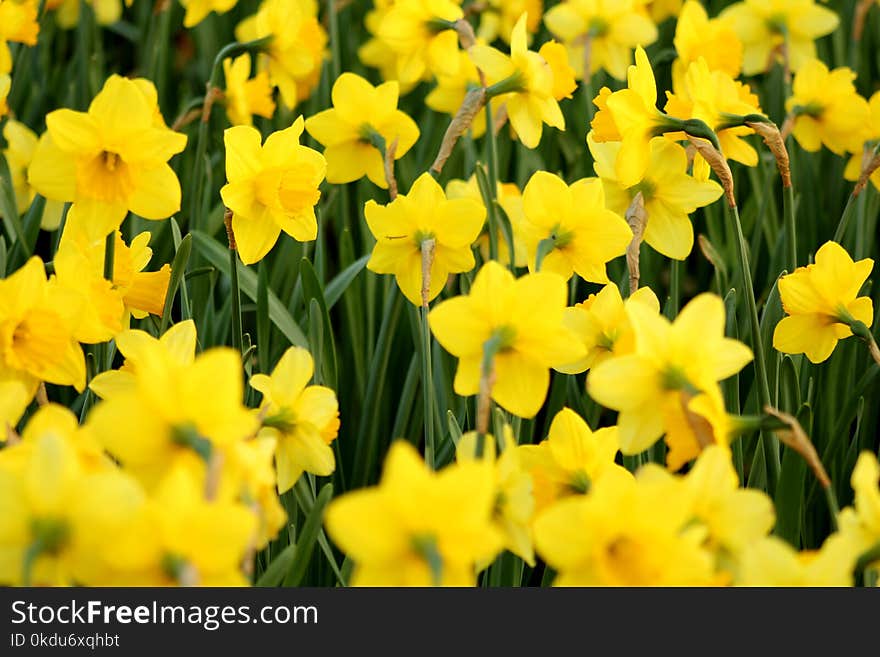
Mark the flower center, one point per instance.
(34, 343)
(105, 177)
(646, 187)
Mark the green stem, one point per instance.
(333, 21)
(674, 288)
(236, 301)
(843, 224)
(492, 160)
(427, 387)
(790, 226)
(833, 506)
(109, 255)
(757, 344)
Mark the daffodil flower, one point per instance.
(523, 320)
(672, 364)
(246, 97)
(198, 10)
(37, 325)
(569, 229)
(21, 144)
(827, 109)
(110, 160)
(18, 23)
(417, 527)
(713, 39)
(626, 532)
(422, 37)
(767, 26)
(822, 301)
(404, 225)
(272, 187)
(609, 28)
(570, 459)
(524, 82)
(514, 500)
(668, 192)
(603, 326)
(303, 419)
(361, 115)
(295, 53)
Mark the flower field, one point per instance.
(439, 292)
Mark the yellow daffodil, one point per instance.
(172, 409)
(421, 36)
(610, 28)
(821, 301)
(37, 325)
(178, 537)
(110, 160)
(425, 213)
(417, 527)
(556, 56)
(198, 10)
(523, 320)
(570, 459)
(860, 158)
(178, 344)
(246, 96)
(249, 476)
(56, 517)
(603, 326)
(107, 12)
(530, 99)
(510, 200)
(734, 517)
(668, 192)
(713, 39)
(499, 16)
(660, 10)
(827, 109)
(295, 54)
(451, 90)
(625, 532)
(18, 23)
(767, 28)
(860, 524)
(272, 187)
(21, 144)
(514, 501)
(713, 96)
(361, 114)
(773, 562)
(672, 364)
(375, 52)
(631, 117)
(303, 419)
(140, 292)
(569, 228)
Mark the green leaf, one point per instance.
(9, 208)
(314, 291)
(178, 269)
(308, 534)
(263, 325)
(280, 566)
(337, 287)
(278, 313)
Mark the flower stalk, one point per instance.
(427, 248)
(236, 293)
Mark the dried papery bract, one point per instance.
(796, 438)
(427, 249)
(637, 218)
(869, 168)
(473, 103)
(390, 151)
(719, 165)
(776, 143)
